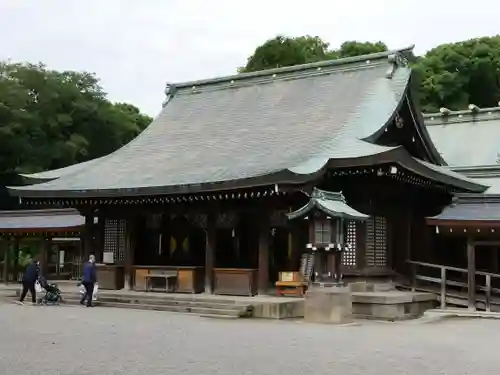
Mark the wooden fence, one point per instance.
(445, 282)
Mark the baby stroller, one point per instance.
(52, 293)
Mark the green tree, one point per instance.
(51, 119)
(458, 74)
(354, 48)
(287, 51)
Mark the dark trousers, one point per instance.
(28, 286)
(89, 290)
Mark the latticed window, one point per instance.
(376, 242)
(114, 238)
(322, 231)
(349, 257)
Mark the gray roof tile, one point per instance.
(470, 212)
(466, 138)
(265, 125)
(40, 219)
(332, 204)
(249, 126)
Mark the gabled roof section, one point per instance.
(40, 219)
(469, 138)
(332, 204)
(470, 208)
(271, 127)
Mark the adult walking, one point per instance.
(29, 279)
(88, 281)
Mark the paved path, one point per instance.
(72, 340)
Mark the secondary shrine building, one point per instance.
(214, 190)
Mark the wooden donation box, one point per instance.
(190, 280)
(110, 276)
(183, 279)
(235, 281)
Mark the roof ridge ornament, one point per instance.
(170, 90)
(473, 108)
(396, 60)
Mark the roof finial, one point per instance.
(393, 65)
(395, 60)
(473, 108)
(170, 90)
(444, 111)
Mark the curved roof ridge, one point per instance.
(291, 69)
(474, 112)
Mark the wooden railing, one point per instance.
(444, 282)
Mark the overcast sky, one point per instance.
(135, 47)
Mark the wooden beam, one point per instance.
(129, 254)
(471, 274)
(6, 262)
(361, 244)
(87, 237)
(263, 270)
(210, 253)
(16, 259)
(41, 230)
(486, 243)
(464, 223)
(494, 259)
(46, 245)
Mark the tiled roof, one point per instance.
(276, 126)
(468, 138)
(332, 204)
(40, 219)
(471, 207)
(60, 172)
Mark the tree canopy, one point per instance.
(450, 75)
(51, 119)
(286, 51)
(458, 74)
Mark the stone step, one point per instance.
(203, 303)
(202, 311)
(169, 302)
(163, 297)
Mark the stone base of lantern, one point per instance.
(330, 305)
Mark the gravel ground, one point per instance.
(76, 340)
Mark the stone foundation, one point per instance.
(331, 305)
(392, 305)
(279, 310)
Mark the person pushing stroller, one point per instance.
(30, 277)
(88, 281)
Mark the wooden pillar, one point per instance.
(471, 274)
(263, 270)
(129, 254)
(87, 237)
(210, 253)
(16, 260)
(408, 244)
(361, 245)
(6, 261)
(98, 243)
(44, 253)
(494, 259)
(294, 248)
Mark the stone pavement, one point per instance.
(75, 340)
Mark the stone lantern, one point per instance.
(327, 214)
